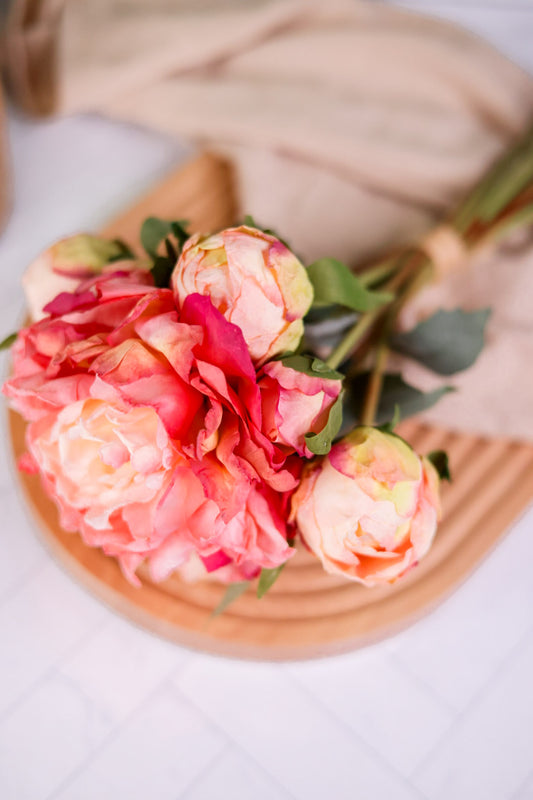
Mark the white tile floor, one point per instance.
(91, 707)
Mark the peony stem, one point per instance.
(502, 201)
(345, 347)
(414, 280)
(403, 270)
(373, 392)
(378, 273)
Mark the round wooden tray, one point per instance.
(309, 613)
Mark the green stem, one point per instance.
(509, 176)
(402, 273)
(373, 392)
(481, 215)
(345, 347)
(376, 274)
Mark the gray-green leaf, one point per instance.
(124, 251)
(154, 230)
(395, 392)
(162, 270)
(447, 342)
(388, 427)
(335, 284)
(312, 366)
(8, 341)
(320, 443)
(231, 594)
(250, 222)
(267, 578)
(439, 459)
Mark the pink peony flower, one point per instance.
(254, 281)
(119, 338)
(255, 538)
(52, 356)
(119, 479)
(369, 509)
(151, 430)
(62, 266)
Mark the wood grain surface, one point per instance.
(307, 613)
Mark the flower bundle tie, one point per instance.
(446, 249)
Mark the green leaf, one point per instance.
(8, 341)
(154, 230)
(124, 251)
(389, 427)
(267, 578)
(439, 459)
(162, 270)
(231, 594)
(395, 392)
(334, 283)
(171, 252)
(179, 231)
(312, 366)
(250, 222)
(447, 342)
(320, 443)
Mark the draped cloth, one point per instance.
(354, 127)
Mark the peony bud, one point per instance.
(62, 266)
(254, 281)
(369, 509)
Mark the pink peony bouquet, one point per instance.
(179, 413)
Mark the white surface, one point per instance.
(91, 707)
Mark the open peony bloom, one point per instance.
(255, 538)
(116, 477)
(151, 429)
(254, 281)
(62, 266)
(369, 509)
(119, 480)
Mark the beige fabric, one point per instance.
(354, 127)
(5, 176)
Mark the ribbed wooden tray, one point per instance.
(307, 613)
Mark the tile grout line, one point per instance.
(365, 744)
(475, 700)
(210, 764)
(235, 744)
(516, 795)
(24, 580)
(398, 662)
(424, 685)
(113, 733)
(49, 670)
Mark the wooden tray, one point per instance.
(307, 613)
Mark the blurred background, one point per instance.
(351, 128)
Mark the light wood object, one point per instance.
(307, 613)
